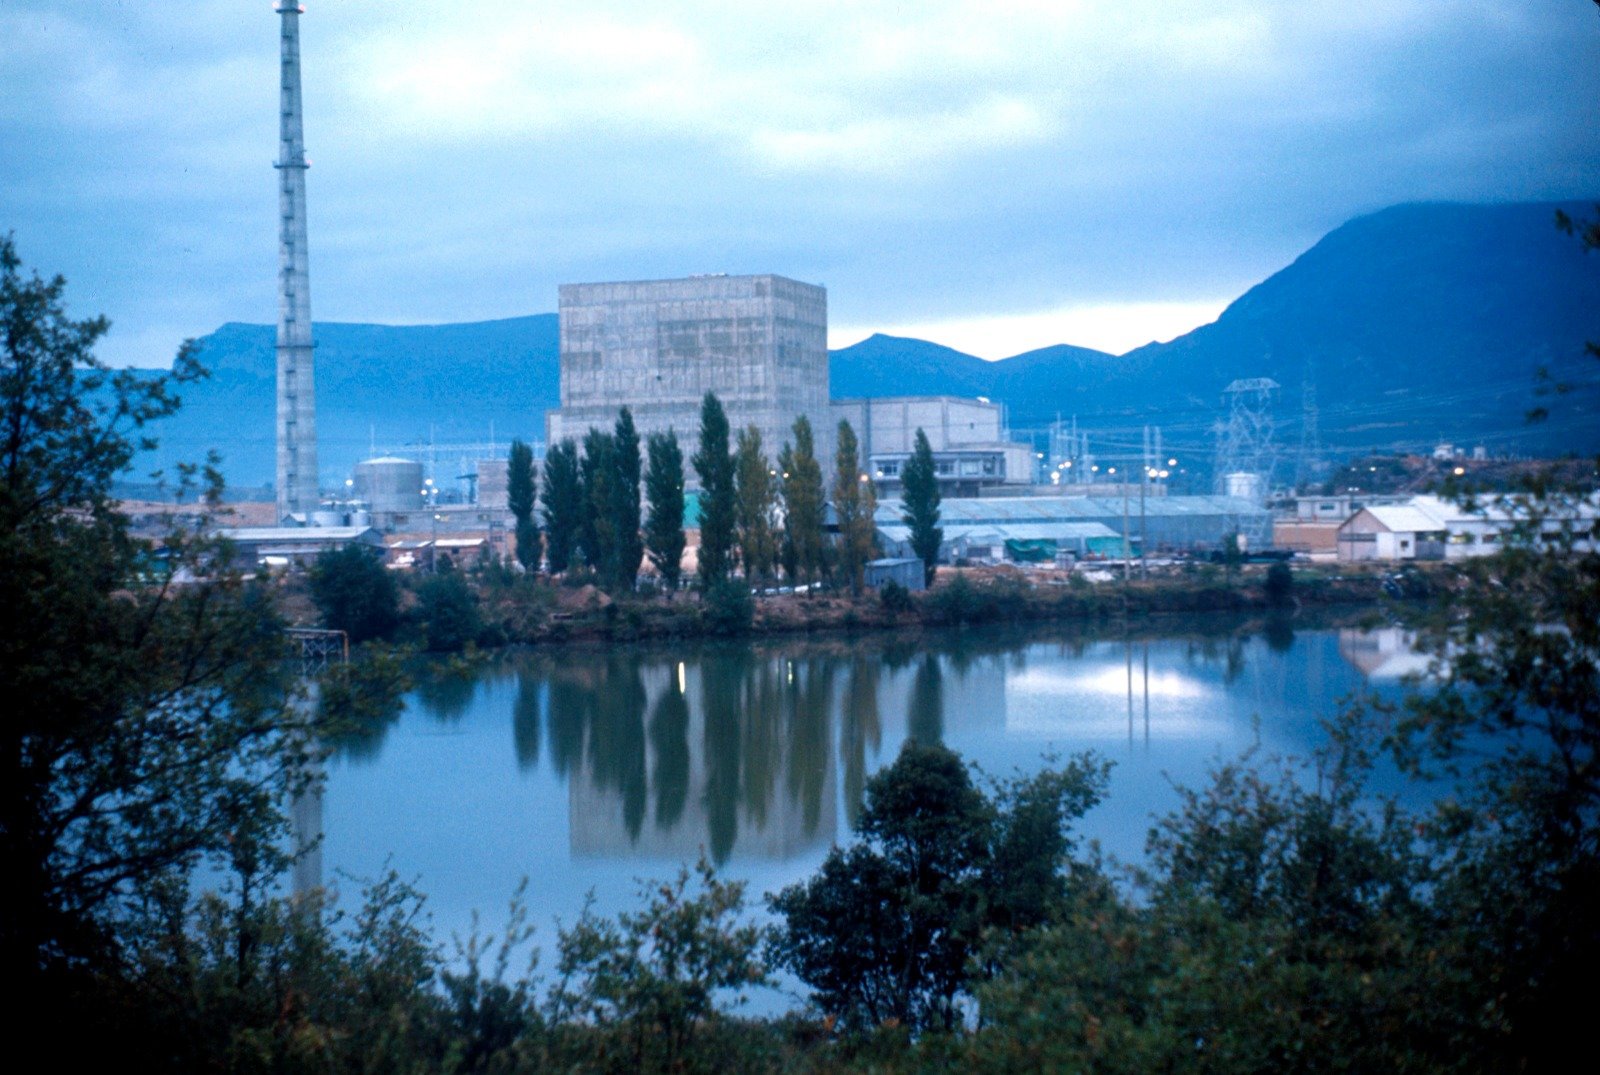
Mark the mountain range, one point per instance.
(1409, 325)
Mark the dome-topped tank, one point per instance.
(389, 485)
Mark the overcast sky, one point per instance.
(996, 176)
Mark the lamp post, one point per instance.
(430, 500)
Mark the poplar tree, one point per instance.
(855, 501)
(756, 499)
(663, 486)
(630, 543)
(562, 497)
(598, 476)
(801, 487)
(521, 484)
(714, 465)
(920, 501)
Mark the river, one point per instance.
(587, 769)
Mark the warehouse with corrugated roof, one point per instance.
(980, 529)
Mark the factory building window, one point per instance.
(889, 468)
(945, 467)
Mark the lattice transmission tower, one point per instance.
(1246, 443)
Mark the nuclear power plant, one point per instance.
(758, 342)
(658, 346)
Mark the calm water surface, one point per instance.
(585, 770)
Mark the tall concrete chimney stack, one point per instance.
(297, 404)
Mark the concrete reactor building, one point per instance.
(658, 346)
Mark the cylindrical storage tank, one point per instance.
(360, 518)
(389, 485)
(327, 518)
(1244, 485)
(493, 475)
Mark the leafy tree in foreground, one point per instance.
(920, 499)
(663, 535)
(856, 502)
(800, 476)
(889, 927)
(757, 500)
(521, 486)
(562, 497)
(355, 593)
(144, 729)
(714, 465)
(652, 976)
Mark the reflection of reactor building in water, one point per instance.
(735, 759)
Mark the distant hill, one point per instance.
(1413, 323)
(385, 384)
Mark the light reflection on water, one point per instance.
(587, 769)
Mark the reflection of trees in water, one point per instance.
(925, 719)
(720, 681)
(1279, 631)
(763, 745)
(616, 752)
(1226, 650)
(669, 737)
(571, 696)
(526, 722)
(860, 730)
(809, 735)
(446, 697)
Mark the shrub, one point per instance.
(896, 598)
(728, 609)
(355, 593)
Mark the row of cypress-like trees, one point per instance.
(754, 516)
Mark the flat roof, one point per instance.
(1006, 511)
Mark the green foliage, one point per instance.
(625, 502)
(598, 536)
(355, 593)
(800, 476)
(856, 501)
(145, 725)
(961, 602)
(448, 612)
(755, 493)
(521, 485)
(562, 498)
(664, 537)
(920, 499)
(653, 977)
(888, 928)
(1279, 585)
(895, 597)
(728, 608)
(358, 699)
(718, 510)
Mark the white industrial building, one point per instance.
(998, 528)
(972, 448)
(1431, 528)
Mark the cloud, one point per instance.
(945, 164)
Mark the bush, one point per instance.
(448, 612)
(728, 609)
(1280, 584)
(355, 593)
(896, 598)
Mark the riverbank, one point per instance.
(542, 612)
